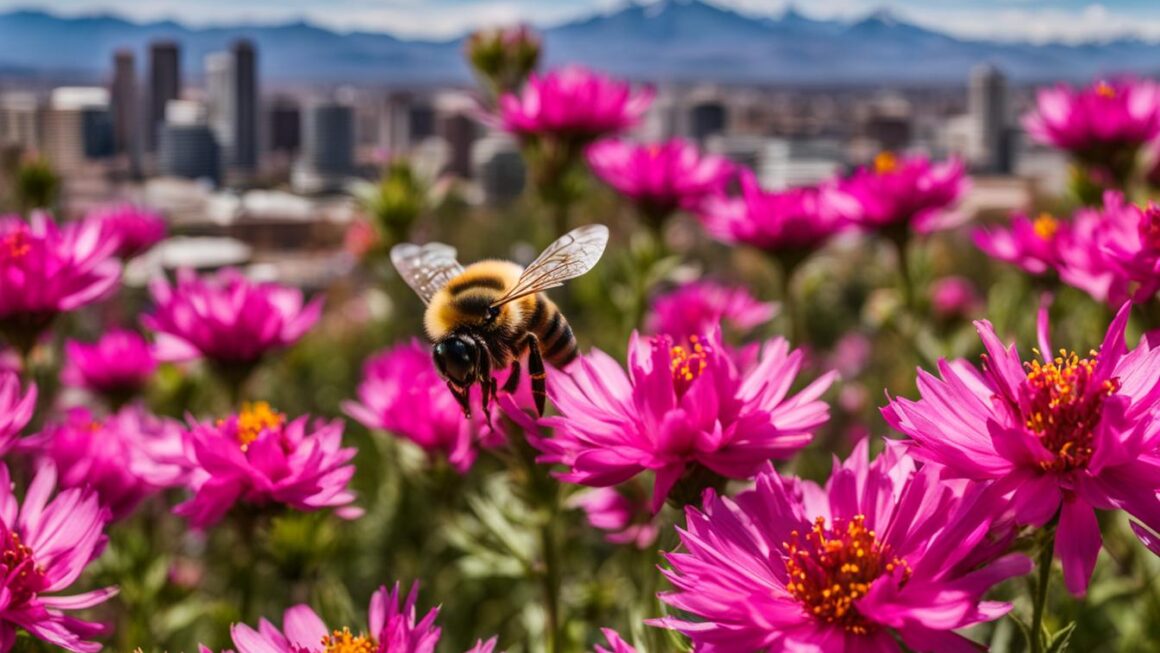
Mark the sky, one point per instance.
(1034, 20)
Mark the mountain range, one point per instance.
(670, 40)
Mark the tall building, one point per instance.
(989, 148)
(78, 127)
(327, 152)
(284, 118)
(459, 131)
(498, 166)
(187, 146)
(707, 119)
(232, 101)
(124, 104)
(164, 85)
(20, 121)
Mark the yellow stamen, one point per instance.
(1104, 90)
(885, 163)
(342, 641)
(1045, 226)
(254, 419)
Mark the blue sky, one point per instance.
(1038, 20)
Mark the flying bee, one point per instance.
(484, 317)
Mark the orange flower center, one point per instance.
(687, 363)
(342, 641)
(254, 420)
(1045, 226)
(1105, 90)
(830, 569)
(885, 163)
(15, 245)
(1064, 404)
(25, 578)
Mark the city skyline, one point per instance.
(1023, 20)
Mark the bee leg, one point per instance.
(536, 372)
(513, 380)
(486, 383)
(463, 397)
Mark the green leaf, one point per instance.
(1061, 639)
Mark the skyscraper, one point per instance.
(164, 85)
(987, 107)
(327, 157)
(285, 120)
(187, 147)
(124, 104)
(232, 96)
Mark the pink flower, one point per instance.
(954, 296)
(1033, 245)
(125, 458)
(907, 193)
(393, 628)
(401, 393)
(659, 177)
(1061, 436)
(683, 408)
(257, 457)
(572, 103)
(700, 306)
(616, 642)
(627, 520)
(226, 318)
(1097, 120)
(46, 545)
(46, 270)
(136, 230)
(119, 364)
(882, 551)
(16, 409)
(791, 220)
(1113, 253)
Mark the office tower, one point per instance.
(187, 146)
(20, 121)
(220, 101)
(124, 103)
(987, 106)
(232, 101)
(78, 127)
(327, 153)
(164, 85)
(420, 123)
(707, 119)
(459, 131)
(499, 168)
(285, 120)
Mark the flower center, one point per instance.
(687, 363)
(23, 578)
(254, 420)
(1105, 90)
(1045, 226)
(885, 163)
(15, 245)
(342, 641)
(1064, 404)
(830, 569)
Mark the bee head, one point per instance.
(457, 359)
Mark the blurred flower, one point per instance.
(906, 193)
(954, 297)
(626, 520)
(1033, 245)
(46, 270)
(882, 551)
(257, 457)
(504, 57)
(1113, 253)
(401, 393)
(1103, 125)
(117, 366)
(16, 409)
(45, 546)
(136, 230)
(1062, 436)
(361, 239)
(851, 354)
(683, 411)
(124, 458)
(793, 220)
(615, 641)
(394, 627)
(394, 203)
(700, 306)
(573, 103)
(226, 317)
(659, 178)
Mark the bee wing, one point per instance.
(426, 268)
(569, 257)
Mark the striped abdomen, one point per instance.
(557, 342)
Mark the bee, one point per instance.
(486, 316)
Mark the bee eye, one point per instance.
(492, 313)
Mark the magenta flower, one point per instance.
(700, 306)
(136, 230)
(16, 409)
(257, 457)
(1033, 245)
(46, 545)
(616, 642)
(226, 318)
(394, 628)
(907, 193)
(1100, 120)
(118, 365)
(46, 270)
(882, 551)
(626, 520)
(794, 220)
(1061, 436)
(953, 297)
(572, 103)
(401, 393)
(684, 409)
(1148, 538)
(125, 458)
(660, 178)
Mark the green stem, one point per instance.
(788, 264)
(1043, 579)
(550, 583)
(906, 275)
